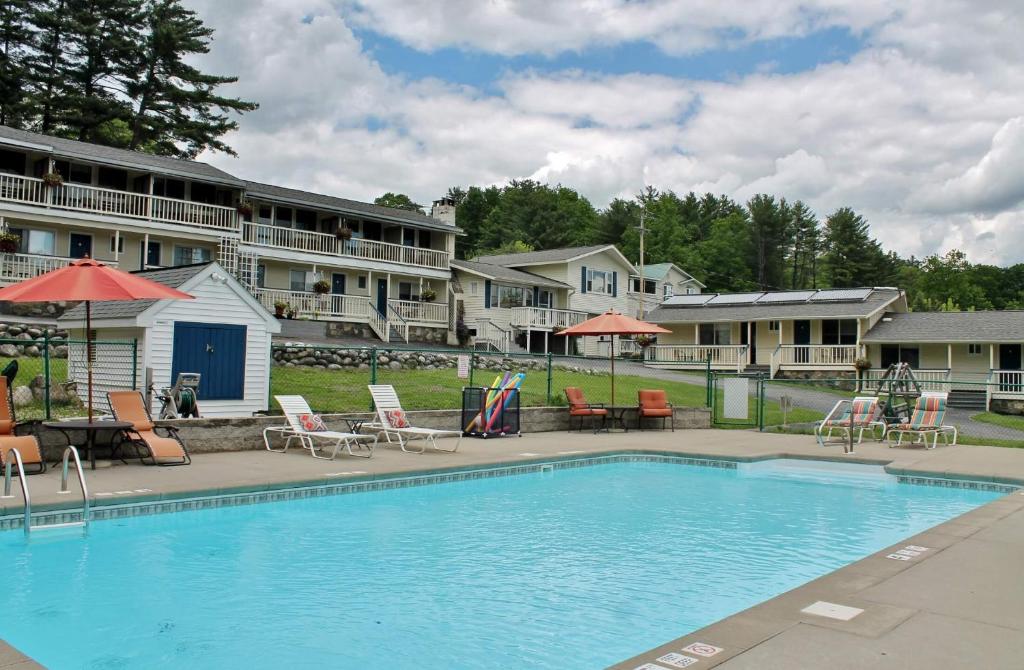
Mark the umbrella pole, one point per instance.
(611, 355)
(88, 354)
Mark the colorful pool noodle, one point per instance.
(493, 394)
(479, 420)
(499, 381)
(506, 395)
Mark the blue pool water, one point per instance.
(576, 568)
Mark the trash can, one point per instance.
(490, 412)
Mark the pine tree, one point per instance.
(771, 232)
(47, 65)
(805, 248)
(174, 103)
(852, 257)
(15, 45)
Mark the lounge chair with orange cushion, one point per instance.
(653, 403)
(158, 449)
(579, 407)
(27, 445)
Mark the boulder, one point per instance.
(22, 396)
(8, 351)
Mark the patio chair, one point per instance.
(309, 429)
(166, 449)
(579, 407)
(27, 445)
(653, 403)
(393, 421)
(925, 420)
(863, 412)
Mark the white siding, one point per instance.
(596, 303)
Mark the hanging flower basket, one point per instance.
(343, 232)
(862, 364)
(428, 295)
(643, 341)
(244, 207)
(9, 243)
(279, 309)
(322, 287)
(53, 179)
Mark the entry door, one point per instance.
(217, 352)
(802, 335)
(81, 245)
(382, 296)
(338, 284)
(1009, 357)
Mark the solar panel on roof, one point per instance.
(785, 296)
(734, 299)
(689, 300)
(829, 295)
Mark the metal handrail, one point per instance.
(24, 486)
(72, 451)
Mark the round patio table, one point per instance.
(90, 428)
(618, 413)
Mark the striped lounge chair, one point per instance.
(863, 412)
(926, 419)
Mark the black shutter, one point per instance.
(615, 284)
(487, 294)
(583, 280)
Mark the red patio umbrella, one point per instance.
(88, 280)
(612, 323)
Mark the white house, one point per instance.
(224, 334)
(661, 282)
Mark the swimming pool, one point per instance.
(573, 568)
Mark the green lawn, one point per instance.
(1013, 421)
(345, 390)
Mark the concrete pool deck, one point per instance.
(960, 602)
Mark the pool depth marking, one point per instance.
(908, 552)
(677, 660)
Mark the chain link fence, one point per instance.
(50, 375)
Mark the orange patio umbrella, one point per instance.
(612, 323)
(88, 280)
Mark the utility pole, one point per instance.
(643, 231)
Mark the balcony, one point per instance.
(18, 267)
(813, 357)
(540, 318)
(697, 356)
(331, 307)
(292, 239)
(110, 202)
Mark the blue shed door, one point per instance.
(217, 352)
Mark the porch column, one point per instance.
(991, 357)
(528, 332)
(860, 349)
(696, 333)
(546, 350)
(949, 356)
(117, 244)
(145, 251)
(750, 342)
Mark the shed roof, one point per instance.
(128, 309)
(948, 327)
(773, 306)
(502, 273)
(345, 206)
(546, 256)
(65, 148)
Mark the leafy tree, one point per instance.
(513, 247)
(173, 102)
(399, 201)
(620, 216)
(470, 215)
(456, 194)
(947, 282)
(15, 43)
(544, 217)
(721, 261)
(852, 257)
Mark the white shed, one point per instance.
(224, 334)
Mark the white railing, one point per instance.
(817, 355)
(495, 336)
(18, 267)
(314, 305)
(82, 198)
(697, 355)
(322, 243)
(929, 380)
(1007, 384)
(378, 324)
(421, 312)
(398, 322)
(541, 317)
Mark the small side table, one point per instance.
(90, 428)
(618, 413)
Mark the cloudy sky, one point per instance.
(911, 112)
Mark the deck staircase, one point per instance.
(756, 370)
(972, 399)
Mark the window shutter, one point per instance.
(487, 294)
(615, 284)
(583, 280)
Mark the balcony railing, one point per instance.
(491, 337)
(314, 305)
(421, 312)
(817, 355)
(18, 267)
(543, 318)
(321, 243)
(928, 380)
(726, 356)
(82, 198)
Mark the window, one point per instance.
(361, 281)
(406, 291)
(169, 188)
(261, 275)
(650, 286)
(108, 177)
(424, 241)
(546, 300)
(713, 334)
(974, 350)
(300, 280)
(895, 353)
(204, 193)
(12, 162)
(509, 296)
(839, 331)
(40, 242)
(82, 174)
(265, 215)
(305, 219)
(409, 237)
(190, 255)
(283, 216)
(151, 254)
(667, 292)
(599, 281)
(528, 297)
(473, 287)
(773, 326)
(120, 243)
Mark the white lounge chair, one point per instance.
(392, 421)
(302, 426)
(863, 412)
(926, 419)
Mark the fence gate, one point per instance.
(736, 399)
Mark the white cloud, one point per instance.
(925, 145)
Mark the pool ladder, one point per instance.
(70, 452)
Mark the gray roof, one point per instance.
(501, 273)
(65, 148)
(538, 257)
(344, 206)
(877, 299)
(129, 309)
(948, 327)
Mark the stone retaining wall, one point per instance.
(246, 433)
